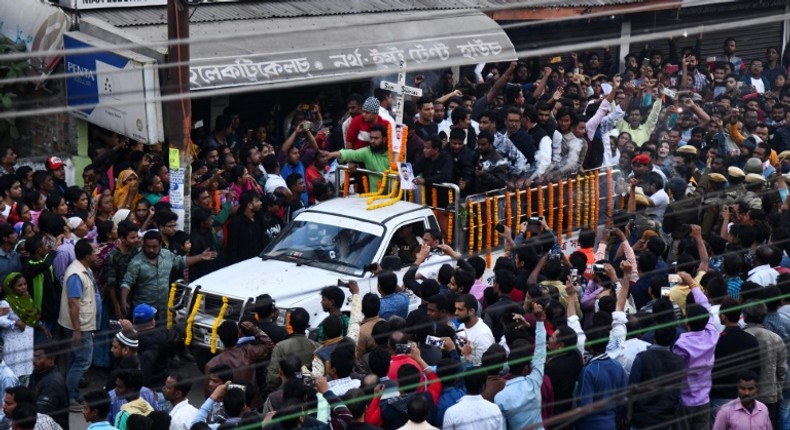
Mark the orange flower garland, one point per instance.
(570, 207)
(541, 209)
(480, 227)
(508, 210)
(489, 230)
(496, 219)
(390, 138)
(434, 198)
(597, 215)
(579, 196)
(393, 197)
(422, 195)
(518, 212)
(528, 209)
(560, 207)
(451, 212)
(365, 184)
(403, 137)
(609, 192)
(550, 220)
(382, 186)
(471, 216)
(346, 184)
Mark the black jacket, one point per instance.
(245, 238)
(157, 347)
(562, 371)
(436, 172)
(661, 374)
(31, 269)
(493, 316)
(736, 350)
(51, 396)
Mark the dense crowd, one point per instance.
(673, 314)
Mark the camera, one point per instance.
(372, 267)
(307, 380)
(114, 325)
(599, 269)
(342, 283)
(402, 348)
(500, 228)
(434, 341)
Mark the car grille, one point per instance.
(213, 304)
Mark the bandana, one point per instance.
(23, 306)
(371, 105)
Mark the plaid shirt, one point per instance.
(341, 386)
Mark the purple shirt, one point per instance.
(697, 348)
(733, 416)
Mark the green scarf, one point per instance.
(23, 306)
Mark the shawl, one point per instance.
(23, 306)
(123, 189)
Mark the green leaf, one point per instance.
(7, 102)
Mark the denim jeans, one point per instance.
(784, 413)
(79, 361)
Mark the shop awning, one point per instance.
(327, 48)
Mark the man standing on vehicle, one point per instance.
(374, 155)
(148, 274)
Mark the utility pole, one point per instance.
(178, 113)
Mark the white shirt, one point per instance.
(411, 425)
(481, 337)
(763, 275)
(473, 413)
(181, 416)
(661, 200)
(429, 269)
(384, 113)
(274, 182)
(758, 84)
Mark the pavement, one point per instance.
(98, 376)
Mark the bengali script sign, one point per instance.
(257, 69)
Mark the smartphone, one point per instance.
(500, 228)
(402, 348)
(669, 93)
(434, 341)
(673, 279)
(460, 338)
(114, 325)
(555, 60)
(645, 62)
(665, 291)
(307, 125)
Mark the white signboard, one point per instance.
(114, 89)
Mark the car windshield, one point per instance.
(327, 246)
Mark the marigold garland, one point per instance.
(609, 192)
(578, 198)
(346, 183)
(570, 207)
(191, 318)
(489, 229)
(390, 139)
(217, 322)
(586, 197)
(288, 328)
(480, 227)
(528, 209)
(508, 210)
(518, 212)
(541, 208)
(171, 298)
(404, 135)
(597, 185)
(451, 213)
(395, 196)
(434, 198)
(422, 195)
(382, 185)
(366, 184)
(471, 217)
(560, 207)
(496, 218)
(550, 216)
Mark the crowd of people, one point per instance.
(672, 314)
